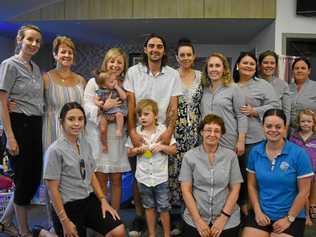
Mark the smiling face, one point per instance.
(154, 50)
(211, 134)
(247, 67)
(274, 128)
(64, 56)
(30, 42)
(185, 57)
(301, 72)
(73, 123)
(215, 68)
(268, 66)
(115, 65)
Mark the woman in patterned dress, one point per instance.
(61, 85)
(186, 132)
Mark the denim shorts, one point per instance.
(156, 197)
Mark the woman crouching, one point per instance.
(76, 195)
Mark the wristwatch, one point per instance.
(291, 218)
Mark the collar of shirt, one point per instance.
(145, 69)
(261, 149)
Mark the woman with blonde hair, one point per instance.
(221, 96)
(110, 165)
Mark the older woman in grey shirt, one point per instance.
(302, 90)
(210, 183)
(223, 97)
(20, 80)
(260, 96)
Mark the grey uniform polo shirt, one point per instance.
(305, 98)
(226, 102)
(260, 95)
(210, 183)
(23, 86)
(62, 163)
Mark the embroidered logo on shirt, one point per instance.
(284, 166)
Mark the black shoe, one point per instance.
(138, 226)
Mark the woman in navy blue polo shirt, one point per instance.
(279, 177)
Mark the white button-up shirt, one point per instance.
(140, 81)
(152, 171)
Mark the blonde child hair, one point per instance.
(308, 112)
(142, 104)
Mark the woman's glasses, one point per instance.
(82, 169)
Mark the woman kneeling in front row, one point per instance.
(279, 178)
(210, 183)
(73, 187)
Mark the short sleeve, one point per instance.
(173, 140)
(177, 86)
(8, 76)
(128, 82)
(235, 174)
(186, 172)
(251, 162)
(303, 165)
(53, 164)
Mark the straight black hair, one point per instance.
(274, 112)
(69, 106)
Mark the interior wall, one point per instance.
(264, 40)
(288, 22)
(6, 48)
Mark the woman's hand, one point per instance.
(203, 228)
(248, 111)
(218, 226)
(281, 225)
(262, 219)
(165, 137)
(136, 139)
(69, 228)
(12, 146)
(105, 207)
(111, 103)
(12, 105)
(240, 148)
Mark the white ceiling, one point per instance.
(202, 31)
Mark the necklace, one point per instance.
(63, 78)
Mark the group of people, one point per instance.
(208, 148)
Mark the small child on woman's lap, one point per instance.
(152, 166)
(306, 137)
(110, 87)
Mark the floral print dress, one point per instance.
(186, 135)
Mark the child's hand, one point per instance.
(157, 147)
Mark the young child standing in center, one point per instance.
(306, 137)
(110, 86)
(152, 166)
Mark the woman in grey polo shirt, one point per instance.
(260, 96)
(210, 183)
(73, 187)
(302, 90)
(223, 97)
(20, 80)
(268, 64)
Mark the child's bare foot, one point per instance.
(119, 133)
(104, 148)
(308, 221)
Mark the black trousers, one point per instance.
(28, 165)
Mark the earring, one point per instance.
(237, 68)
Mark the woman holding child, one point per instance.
(113, 161)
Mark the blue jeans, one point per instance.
(156, 197)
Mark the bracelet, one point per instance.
(225, 214)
